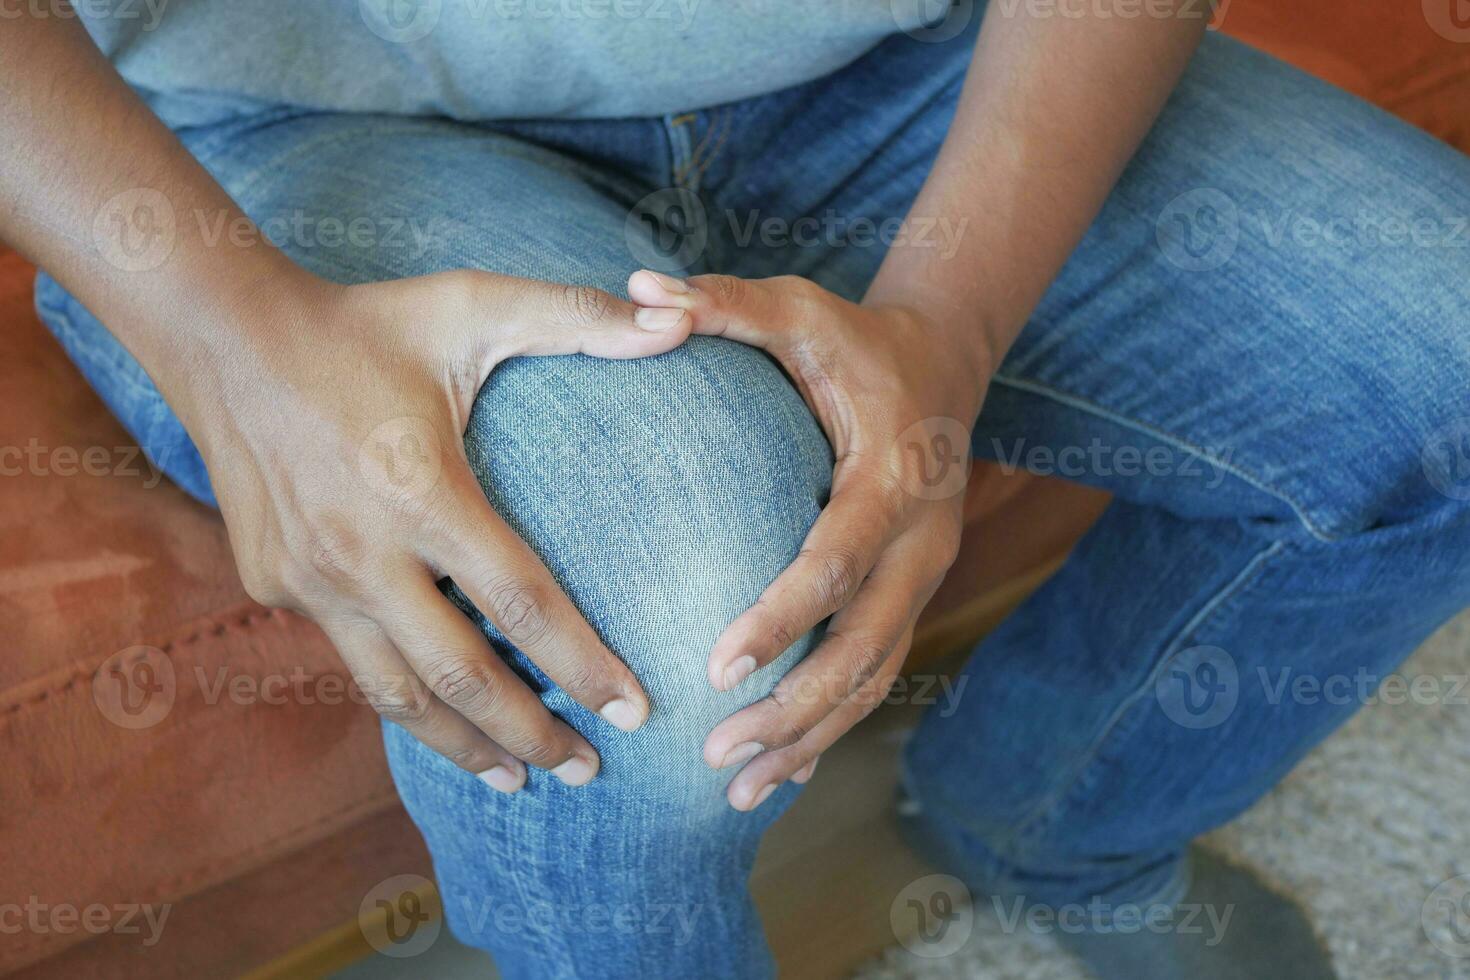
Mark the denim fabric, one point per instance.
(1277, 413)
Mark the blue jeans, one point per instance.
(1277, 412)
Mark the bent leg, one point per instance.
(664, 495)
(1261, 348)
(1278, 414)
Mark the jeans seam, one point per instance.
(56, 317)
(1044, 390)
(718, 132)
(1037, 820)
(217, 138)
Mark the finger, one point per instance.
(506, 581)
(390, 686)
(456, 662)
(840, 550)
(797, 762)
(759, 312)
(542, 318)
(859, 642)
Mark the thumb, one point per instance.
(748, 310)
(538, 319)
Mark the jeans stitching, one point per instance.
(1035, 823)
(1044, 390)
(220, 137)
(59, 319)
(717, 132)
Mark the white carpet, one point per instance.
(1361, 833)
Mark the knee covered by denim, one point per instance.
(664, 495)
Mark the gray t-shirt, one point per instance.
(200, 60)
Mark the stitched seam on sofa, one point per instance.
(216, 628)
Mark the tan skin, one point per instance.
(245, 345)
(1051, 111)
(289, 385)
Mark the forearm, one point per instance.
(77, 137)
(1051, 112)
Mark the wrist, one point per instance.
(207, 327)
(964, 335)
(943, 356)
(962, 328)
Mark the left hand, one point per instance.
(894, 391)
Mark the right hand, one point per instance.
(300, 395)
(332, 428)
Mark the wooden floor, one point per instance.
(830, 869)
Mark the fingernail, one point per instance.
(738, 671)
(742, 754)
(501, 779)
(621, 713)
(576, 771)
(805, 772)
(657, 319)
(669, 283)
(762, 795)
